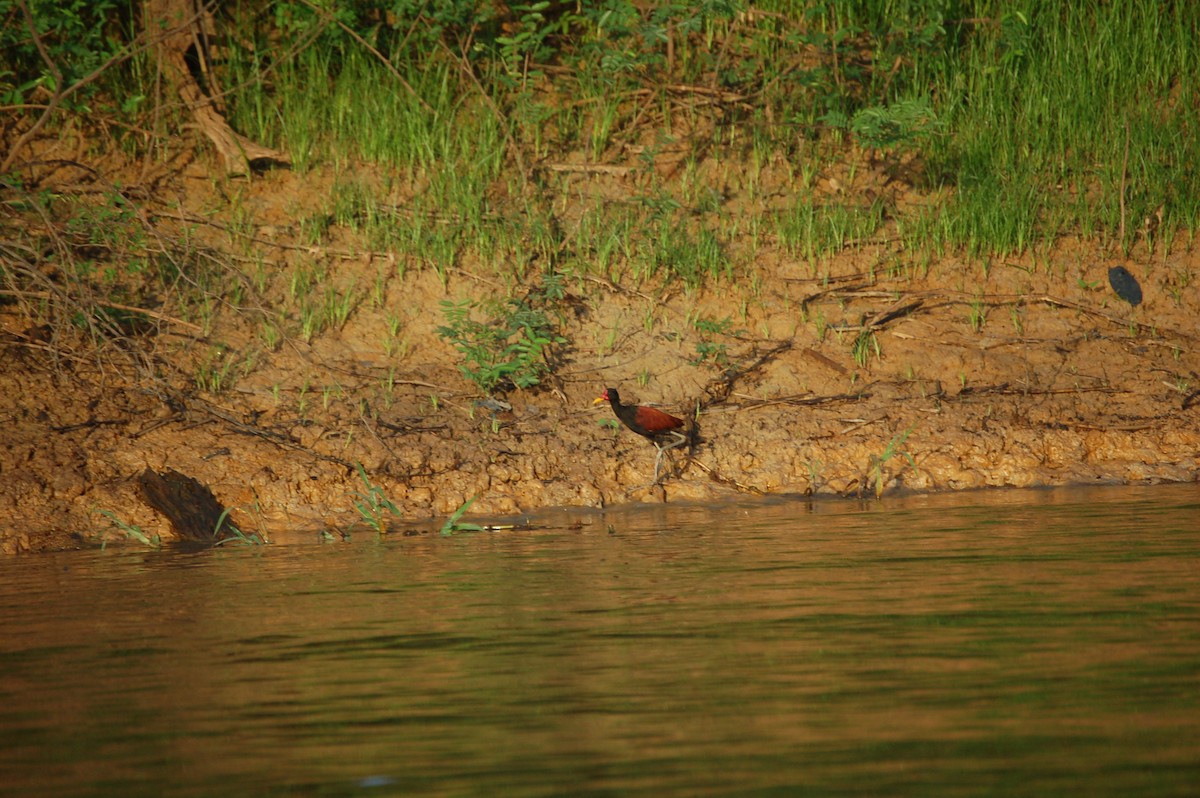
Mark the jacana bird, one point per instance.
(661, 429)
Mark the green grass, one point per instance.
(1037, 112)
(462, 139)
(816, 231)
(1019, 115)
(1016, 117)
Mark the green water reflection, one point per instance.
(1016, 643)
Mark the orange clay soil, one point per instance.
(1033, 373)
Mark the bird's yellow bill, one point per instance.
(599, 400)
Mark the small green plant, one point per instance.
(133, 531)
(339, 306)
(865, 343)
(978, 314)
(821, 324)
(374, 506)
(310, 321)
(113, 225)
(453, 525)
(393, 340)
(708, 349)
(302, 401)
(648, 319)
(673, 251)
(388, 386)
(327, 394)
(218, 372)
(899, 126)
(876, 466)
(813, 465)
(270, 336)
(1018, 320)
(511, 348)
(713, 352)
(233, 534)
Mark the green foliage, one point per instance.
(78, 36)
(510, 348)
(374, 506)
(232, 534)
(876, 473)
(1014, 117)
(1018, 113)
(453, 525)
(706, 348)
(133, 531)
(526, 44)
(902, 125)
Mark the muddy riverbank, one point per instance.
(837, 377)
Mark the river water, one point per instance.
(1015, 643)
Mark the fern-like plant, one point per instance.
(509, 347)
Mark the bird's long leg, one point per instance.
(680, 439)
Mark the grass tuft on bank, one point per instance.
(995, 128)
